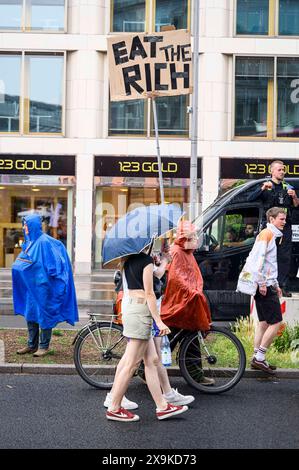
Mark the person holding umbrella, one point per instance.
(141, 310)
(170, 394)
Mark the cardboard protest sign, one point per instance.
(159, 63)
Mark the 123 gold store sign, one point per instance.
(24, 165)
(145, 167)
(241, 168)
(37, 164)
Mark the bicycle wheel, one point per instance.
(217, 354)
(97, 351)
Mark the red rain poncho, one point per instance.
(184, 304)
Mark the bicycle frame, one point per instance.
(191, 346)
(180, 335)
(95, 319)
(176, 337)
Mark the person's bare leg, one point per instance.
(134, 353)
(162, 371)
(120, 365)
(151, 361)
(259, 333)
(270, 335)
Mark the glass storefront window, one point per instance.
(10, 14)
(171, 12)
(43, 107)
(253, 95)
(172, 115)
(128, 15)
(252, 17)
(45, 15)
(287, 97)
(289, 17)
(53, 203)
(127, 117)
(113, 202)
(10, 84)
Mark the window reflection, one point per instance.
(114, 202)
(288, 97)
(45, 93)
(171, 12)
(17, 201)
(32, 15)
(289, 17)
(45, 14)
(10, 73)
(127, 117)
(253, 79)
(252, 17)
(10, 14)
(128, 15)
(172, 115)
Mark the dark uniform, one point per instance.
(278, 197)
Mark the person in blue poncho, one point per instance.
(43, 286)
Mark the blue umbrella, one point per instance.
(133, 232)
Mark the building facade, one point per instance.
(82, 161)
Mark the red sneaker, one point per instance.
(171, 410)
(121, 415)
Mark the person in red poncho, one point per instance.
(184, 304)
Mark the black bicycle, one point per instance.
(216, 354)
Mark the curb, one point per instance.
(69, 369)
(2, 352)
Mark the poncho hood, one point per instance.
(34, 224)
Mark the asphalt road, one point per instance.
(62, 412)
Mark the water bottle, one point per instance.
(165, 351)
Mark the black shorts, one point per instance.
(268, 306)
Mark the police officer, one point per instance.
(277, 193)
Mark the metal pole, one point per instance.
(158, 151)
(194, 116)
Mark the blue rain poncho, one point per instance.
(43, 285)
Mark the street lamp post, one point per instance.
(194, 113)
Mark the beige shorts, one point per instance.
(137, 320)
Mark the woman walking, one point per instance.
(141, 309)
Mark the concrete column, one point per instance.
(213, 97)
(210, 179)
(84, 107)
(87, 16)
(83, 213)
(215, 18)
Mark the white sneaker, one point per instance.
(176, 398)
(127, 404)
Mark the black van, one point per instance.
(228, 230)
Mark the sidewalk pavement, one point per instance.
(18, 321)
